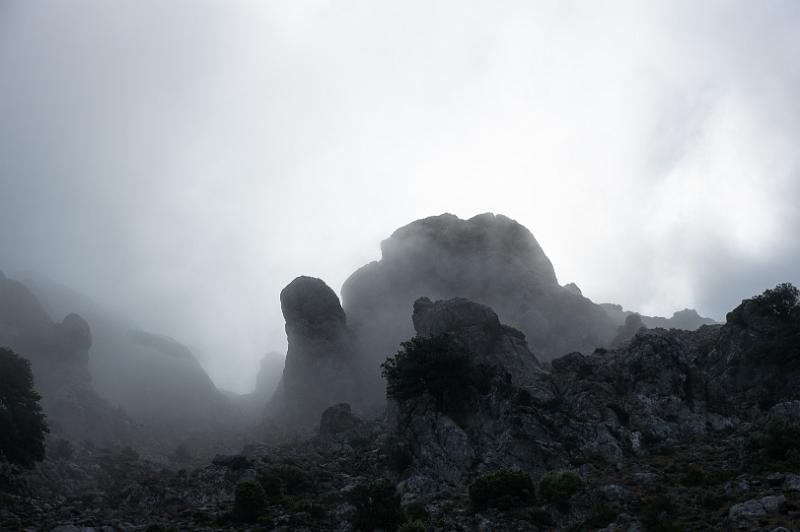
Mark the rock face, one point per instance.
(660, 387)
(337, 420)
(59, 356)
(627, 330)
(319, 369)
(489, 259)
(478, 327)
(448, 447)
(756, 363)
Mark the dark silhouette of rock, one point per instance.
(489, 259)
(479, 329)
(626, 331)
(687, 319)
(337, 420)
(319, 369)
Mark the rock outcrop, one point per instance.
(489, 259)
(492, 428)
(319, 369)
(661, 387)
(59, 356)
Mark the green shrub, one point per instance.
(284, 481)
(539, 517)
(558, 487)
(399, 458)
(776, 437)
(315, 510)
(502, 489)
(413, 526)
(693, 476)
(778, 301)
(250, 501)
(656, 514)
(436, 366)
(602, 515)
(416, 512)
(377, 506)
(22, 423)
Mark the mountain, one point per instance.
(489, 259)
(156, 379)
(59, 356)
(686, 319)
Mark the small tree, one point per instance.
(436, 366)
(502, 489)
(22, 423)
(558, 487)
(779, 301)
(250, 501)
(377, 506)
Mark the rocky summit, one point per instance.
(490, 259)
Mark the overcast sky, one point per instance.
(183, 161)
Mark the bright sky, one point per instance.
(183, 161)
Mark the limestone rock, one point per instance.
(336, 420)
(319, 368)
(478, 327)
(489, 259)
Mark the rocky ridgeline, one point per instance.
(673, 430)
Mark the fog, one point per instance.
(181, 162)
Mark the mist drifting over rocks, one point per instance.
(419, 405)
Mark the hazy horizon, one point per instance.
(181, 163)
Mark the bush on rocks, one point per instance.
(22, 423)
(377, 506)
(558, 487)
(502, 489)
(250, 501)
(436, 366)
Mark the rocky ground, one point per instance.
(718, 482)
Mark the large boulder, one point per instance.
(489, 259)
(478, 327)
(319, 368)
(756, 363)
